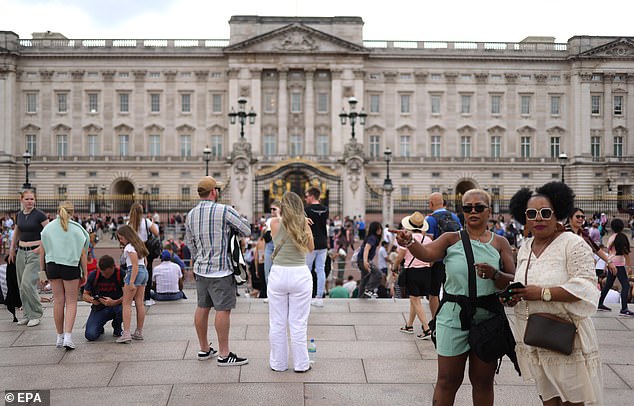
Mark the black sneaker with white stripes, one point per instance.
(204, 355)
(231, 360)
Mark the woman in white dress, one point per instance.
(558, 270)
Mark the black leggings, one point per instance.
(625, 285)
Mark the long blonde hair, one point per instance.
(294, 220)
(65, 211)
(136, 215)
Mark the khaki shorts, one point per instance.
(219, 293)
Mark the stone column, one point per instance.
(388, 207)
(353, 170)
(241, 178)
(309, 113)
(282, 113)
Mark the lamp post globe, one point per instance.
(563, 159)
(27, 162)
(207, 158)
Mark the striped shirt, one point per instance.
(207, 236)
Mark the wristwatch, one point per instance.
(546, 296)
(496, 275)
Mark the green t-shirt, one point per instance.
(339, 292)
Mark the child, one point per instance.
(134, 282)
(619, 255)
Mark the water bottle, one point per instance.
(312, 351)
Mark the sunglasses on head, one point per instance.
(545, 213)
(479, 208)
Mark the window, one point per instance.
(525, 105)
(216, 145)
(435, 76)
(269, 145)
(296, 102)
(295, 145)
(496, 146)
(375, 103)
(465, 104)
(525, 146)
(618, 105)
(375, 142)
(405, 193)
(495, 104)
(435, 104)
(154, 75)
(596, 105)
(93, 145)
(618, 146)
(597, 192)
(435, 174)
(93, 102)
(269, 103)
(155, 102)
(124, 102)
(31, 144)
(465, 146)
(216, 103)
(123, 74)
(435, 146)
(62, 145)
(186, 103)
(62, 103)
(61, 192)
(186, 193)
(554, 147)
(154, 191)
(555, 105)
(31, 102)
(323, 149)
(322, 102)
(405, 101)
(405, 146)
(186, 146)
(155, 145)
(595, 146)
(124, 143)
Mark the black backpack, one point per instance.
(446, 222)
(236, 257)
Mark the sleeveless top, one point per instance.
(457, 282)
(288, 254)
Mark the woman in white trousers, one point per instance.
(290, 286)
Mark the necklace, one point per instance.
(477, 237)
(544, 246)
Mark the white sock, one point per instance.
(60, 337)
(67, 336)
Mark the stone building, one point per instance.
(132, 117)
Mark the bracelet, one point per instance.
(409, 244)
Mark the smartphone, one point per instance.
(95, 297)
(506, 293)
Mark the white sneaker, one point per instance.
(60, 342)
(23, 322)
(33, 323)
(69, 345)
(317, 302)
(266, 300)
(150, 302)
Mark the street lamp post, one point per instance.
(242, 115)
(563, 158)
(352, 115)
(102, 189)
(27, 162)
(206, 158)
(388, 209)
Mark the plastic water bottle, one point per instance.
(312, 351)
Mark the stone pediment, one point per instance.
(496, 129)
(622, 48)
(295, 38)
(436, 129)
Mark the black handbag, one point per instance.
(545, 330)
(490, 339)
(153, 244)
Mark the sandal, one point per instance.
(425, 336)
(407, 329)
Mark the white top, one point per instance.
(166, 276)
(567, 263)
(142, 230)
(126, 251)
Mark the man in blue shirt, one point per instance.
(104, 290)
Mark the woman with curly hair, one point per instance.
(289, 287)
(557, 269)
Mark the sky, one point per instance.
(420, 20)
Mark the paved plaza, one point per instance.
(362, 359)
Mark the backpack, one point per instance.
(446, 222)
(236, 257)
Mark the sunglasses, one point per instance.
(274, 209)
(545, 213)
(479, 208)
(580, 216)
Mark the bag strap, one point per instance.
(468, 250)
(147, 237)
(278, 248)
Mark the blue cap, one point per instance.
(165, 255)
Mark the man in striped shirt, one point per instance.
(207, 235)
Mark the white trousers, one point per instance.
(289, 291)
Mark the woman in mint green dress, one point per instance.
(489, 251)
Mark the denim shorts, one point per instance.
(141, 276)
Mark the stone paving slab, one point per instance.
(368, 395)
(319, 333)
(172, 372)
(136, 351)
(150, 395)
(57, 376)
(323, 371)
(393, 370)
(7, 338)
(242, 394)
(31, 355)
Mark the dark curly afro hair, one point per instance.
(560, 195)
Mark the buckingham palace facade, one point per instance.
(149, 117)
